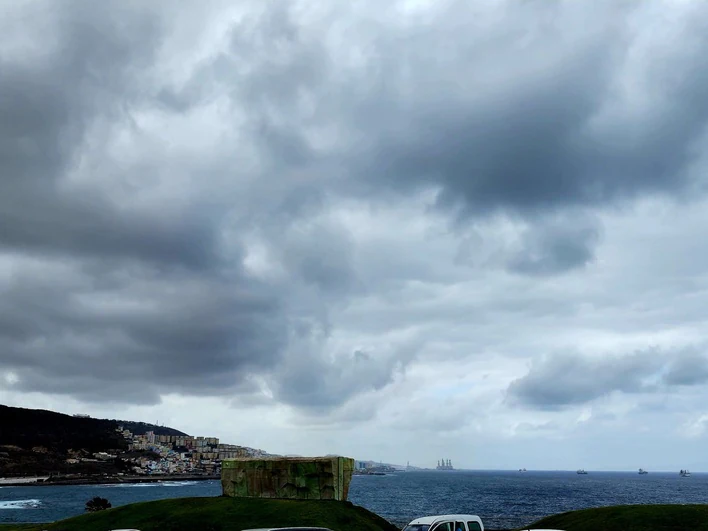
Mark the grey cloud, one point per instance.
(321, 254)
(317, 379)
(534, 144)
(564, 379)
(118, 277)
(690, 369)
(555, 247)
(164, 332)
(54, 108)
(115, 298)
(492, 128)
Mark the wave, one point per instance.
(178, 483)
(20, 504)
(127, 485)
(155, 484)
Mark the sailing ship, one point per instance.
(685, 474)
(581, 471)
(642, 471)
(444, 464)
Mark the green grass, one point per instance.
(631, 518)
(222, 514)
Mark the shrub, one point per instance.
(97, 504)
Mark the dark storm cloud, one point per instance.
(110, 301)
(528, 116)
(88, 74)
(156, 330)
(561, 134)
(565, 380)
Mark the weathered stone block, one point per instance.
(316, 478)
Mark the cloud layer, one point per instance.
(453, 216)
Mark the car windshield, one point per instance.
(416, 527)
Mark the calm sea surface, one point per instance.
(502, 499)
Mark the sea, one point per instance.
(503, 499)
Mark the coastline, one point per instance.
(102, 480)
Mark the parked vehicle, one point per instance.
(446, 522)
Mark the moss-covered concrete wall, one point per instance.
(317, 478)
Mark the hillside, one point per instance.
(38, 442)
(224, 514)
(28, 428)
(631, 518)
(141, 428)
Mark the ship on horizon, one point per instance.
(642, 471)
(444, 464)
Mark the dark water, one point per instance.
(502, 499)
(512, 499)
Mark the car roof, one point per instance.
(428, 520)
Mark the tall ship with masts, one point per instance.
(444, 464)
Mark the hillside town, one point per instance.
(150, 453)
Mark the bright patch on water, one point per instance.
(128, 485)
(142, 485)
(178, 483)
(20, 504)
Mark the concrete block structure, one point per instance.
(316, 478)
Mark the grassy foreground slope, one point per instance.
(631, 518)
(225, 514)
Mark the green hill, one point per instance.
(630, 518)
(222, 514)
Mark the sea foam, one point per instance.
(20, 504)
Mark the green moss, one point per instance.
(320, 478)
(631, 518)
(223, 514)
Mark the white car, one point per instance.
(446, 522)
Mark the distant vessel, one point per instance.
(642, 471)
(581, 471)
(444, 464)
(685, 474)
(522, 470)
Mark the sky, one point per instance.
(399, 231)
